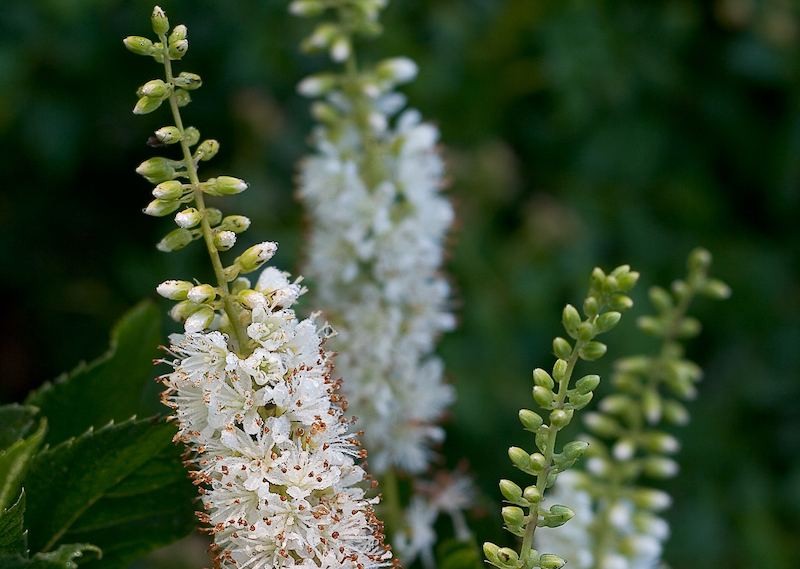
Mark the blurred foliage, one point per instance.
(579, 133)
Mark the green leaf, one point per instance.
(61, 558)
(12, 533)
(15, 461)
(110, 387)
(65, 481)
(15, 422)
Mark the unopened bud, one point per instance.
(562, 348)
(188, 218)
(620, 302)
(200, 320)
(224, 240)
(587, 383)
(397, 69)
(532, 421)
(202, 294)
(318, 84)
(571, 319)
(191, 135)
(175, 240)
(160, 208)
(171, 190)
(139, 45)
(602, 425)
(575, 449)
(147, 105)
(156, 170)
(519, 458)
(627, 282)
(699, 260)
(660, 467)
(159, 21)
(250, 299)
(178, 33)
(341, 48)
(651, 499)
(661, 442)
(181, 311)
(716, 289)
(213, 215)
(178, 49)
(607, 321)
(550, 561)
(513, 516)
(675, 412)
(557, 516)
(510, 491)
(537, 462)
(207, 150)
(532, 495)
(592, 351)
(256, 256)
(235, 223)
(225, 185)
(188, 81)
(544, 397)
(174, 290)
(623, 449)
(586, 331)
(590, 306)
(182, 97)
(306, 8)
(168, 135)
(560, 369)
(560, 418)
(542, 378)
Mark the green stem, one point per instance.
(390, 500)
(231, 308)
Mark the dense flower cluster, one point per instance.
(639, 534)
(375, 254)
(269, 442)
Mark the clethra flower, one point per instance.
(270, 445)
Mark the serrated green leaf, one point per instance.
(12, 532)
(64, 481)
(61, 558)
(15, 461)
(110, 387)
(15, 422)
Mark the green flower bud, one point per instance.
(627, 282)
(550, 561)
(661, 442)
(690, 327)
(532, 495)
(139, 45)
(610, 285)
(651, 499)
(207, 150)
(181, 311)
(492, 554)
(231, 272)
(235, 223)
(200, 320)
(591, 306)
(156, 170)
(240, 284)
(602, 425)
(586, 331)
(575, 449)
(191, 135)
(560, 369)
(557, 516)
(607, 321)
(542, 378)
(155, 88)
(147, 105)
(620, 302)
(188, 81)
(250, 298)
(306, 8)
(562, 349)
(224, 240)
(513, 516)
(571, 319)
(325, 113)
(188, 218)
(213, 215)
(178, 49)
(159, 21)
(178, 34)
(160, 208)
(699, 260)
(510, 491)
(580, 401)
(634, 364)
(318, 84)
(531, 421)
(537, 462)
(256, 256)
(560, 418)
(519, 458)
(397, 70)
(175, 240)
(592, 351)
(182, 97)
(587, 383)
(174, 290)
(224, 185)
(597, 278)
(544, 397)
(660, 467)
(341, 48)
(715, 288)
(322, 37)
(202, 294)
(651, 405)
(660, 299)
(617, 404)
(623, 449)
(675, 412)
(168, 135)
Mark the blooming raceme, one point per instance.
(270, 443)
(251, 385)
(373, 192)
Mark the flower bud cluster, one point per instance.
(251, 386)
(625, 442)
(553, 392)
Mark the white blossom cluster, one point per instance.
(378, 222)
(273, 457)
(638, 532)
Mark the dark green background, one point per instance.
(578, 133)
